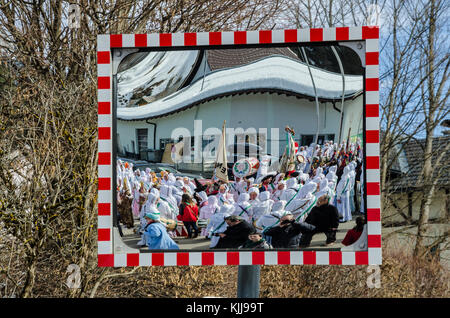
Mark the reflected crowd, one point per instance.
(264, 210)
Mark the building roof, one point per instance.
(151, 76)
(273, 74)
(321, 56)
(413, 151)
(220, 59)
(445, 123)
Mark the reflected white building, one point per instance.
(258, 90)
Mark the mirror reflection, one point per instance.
(240, 148)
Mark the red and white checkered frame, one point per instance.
(106, 194)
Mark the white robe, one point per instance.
(216, 224)
(148, 207)
(264, 206)
(224, 197)
(343, 195)
(243, 208)
(263, 169)
(207, 212)
(266, 222)
(352, 175)
(278, 194)
(166, 211)
(166, 195)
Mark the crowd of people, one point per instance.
(277, 210)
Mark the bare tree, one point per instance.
(434, 100)
(414, 63)
(399, 99)
(48, 149)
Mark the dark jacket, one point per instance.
(285, 237)
(260, 244)
(324, 217)
(236, 235)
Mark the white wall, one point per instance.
(438, 208)
(252, 111)
(353, 115)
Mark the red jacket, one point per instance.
(189, 214)
(351, 237)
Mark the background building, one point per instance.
(257, 88)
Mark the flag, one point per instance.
(221, 169)
(288, 158)
(348, 139)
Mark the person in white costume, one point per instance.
(281, 187)
(217, 223)
(253, 193)
(343, 196)
(147, 178)
(189, 184)
(352, 175)
(361, 210)
(166, 211)
(180, 188)
(237, 187)
(243, 208)
(331, 177)
(165, 193)
(302, 206)
(323, 188)
(291, 193)
(304, 178)
(264, 206)
(148, 207)
(301, 166)
(319, 173)
(309, 187)
(224, 196)
(136, 192)
(213, 208)
(263, 169)
(204, 210)
(269, 220)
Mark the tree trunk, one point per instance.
(29, 281)
(430, 113)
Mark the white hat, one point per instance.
(179, 184)
(203, 196)
(264, 196)
(291, 183)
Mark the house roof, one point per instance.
(220, 59)
(273, 74)
(445, 123)
(413, 151)
(319, 56)
(154, 75)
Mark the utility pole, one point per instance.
(248, 281)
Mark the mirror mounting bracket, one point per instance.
(118, 55)
(359, 47)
